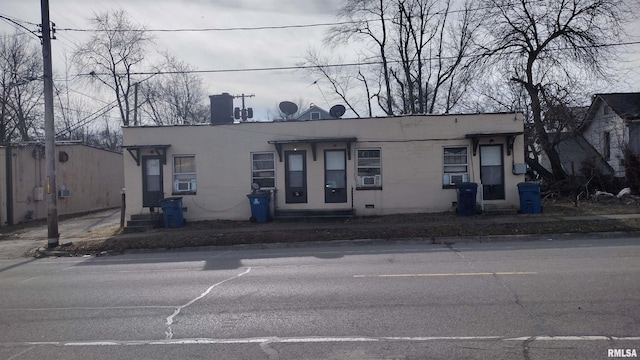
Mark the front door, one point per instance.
(295, 180)
(335, 176)
(491, 172)
(151, 181)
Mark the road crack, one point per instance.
(271, 352)
(170, 318)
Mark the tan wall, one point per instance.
(94, 178)
(412, 161)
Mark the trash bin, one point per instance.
(172, 212)
(529, 198)
(259, 207)
(466, 198)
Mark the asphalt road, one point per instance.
(573, 299)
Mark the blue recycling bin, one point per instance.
(172, 212)
(529, 198)
(259, 207)
(466, 198)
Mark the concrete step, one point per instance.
(144, 222)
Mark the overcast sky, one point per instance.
(222, 50)
(211, 50)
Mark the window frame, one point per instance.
(377, 185)
(273, 159)
(447, 174)
(193, 180)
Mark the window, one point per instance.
(184, 174)
(263, 169)
(455, 166)
(606, 140)
(315, 115)
(368, 168)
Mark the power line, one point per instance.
(274, 27)
(20, 26)
(303, 67)
(280, 27)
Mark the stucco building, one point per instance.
(367, 166)
(88, 179)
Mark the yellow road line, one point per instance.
(449, 274)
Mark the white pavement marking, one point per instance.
(450, 274)
(313, 339)
(575, 338)
(20, 353)
(169, 331)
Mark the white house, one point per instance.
(611, 124)
(367, 166)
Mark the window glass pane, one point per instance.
(368, 171)
(263, 166)
(490, 155)
(153, 167)
(368, 163)
(455, 167)
(153, 183)
(184, 164)
(296, 180)
(184, 174)
(295, 162)
(335, 179)
(334, 160)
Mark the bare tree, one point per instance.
(367, 20)
(20, 88)
(418, 58)
(340, 81)
(175, 97)
(114, 51)
(537, 44)
(433, 43)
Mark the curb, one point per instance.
(43, 252)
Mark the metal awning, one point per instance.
(134, 150)
(313, 141)
(511, 138)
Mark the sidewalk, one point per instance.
(95, 231)
(14, 244)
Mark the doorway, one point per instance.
(295, 182)
(335, 176)
(152, 183)
(491, 172)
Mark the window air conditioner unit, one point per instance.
(185, 186)
(374, 180)
(453, 179)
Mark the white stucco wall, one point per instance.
(411, 152)
(93, 177)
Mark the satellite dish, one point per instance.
(337, 110)
(288, 107)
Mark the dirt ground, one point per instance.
(430, 227)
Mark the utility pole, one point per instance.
(245, 113)
(51, 188)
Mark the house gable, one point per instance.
(314, 113)
(609, 127)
